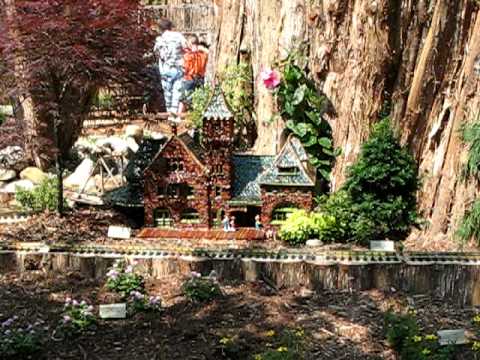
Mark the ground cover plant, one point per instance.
(20, 342)
(77, 317)
(405, 336)
(198, 288)
(123, 279)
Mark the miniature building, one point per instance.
(194, 184)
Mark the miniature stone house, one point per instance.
(191, 183)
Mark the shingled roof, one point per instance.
(247, 170)
(217, 107)
(292, 156)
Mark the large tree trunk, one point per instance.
(414, 59)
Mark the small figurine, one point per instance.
(232, 223)
(226, 223)
(258, 224)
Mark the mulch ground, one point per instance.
(337, 325)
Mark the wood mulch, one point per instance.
(337, 325)
(247, 234)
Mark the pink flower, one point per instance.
(270, 78)
(66, 318)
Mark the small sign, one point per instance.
(452, 337)
(119, 232)
(113, 311)
(382, 245)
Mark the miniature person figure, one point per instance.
(232, 223)
(169, 47)
(226, 223)
(258, 224)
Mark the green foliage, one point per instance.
(200, 98)
(17, 342)
(403, 335)
(288, 345)
(77, 317)
(236, 81)
(301, 226)
(382, 187)
(303, 107)
(3, 117)
(338, 206)
(471, 135)
(41, 198)
(123, 280)
(104, 101)
(201, 289)
(470, 225)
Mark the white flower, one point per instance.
(83, 302)
(75, 303)
(129, 269)
(66, 318)
(196, 274)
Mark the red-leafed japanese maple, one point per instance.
(61, 52)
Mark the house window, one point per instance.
(190, 191)
(292, 170)
(190, 216)
(217, 191)
(280, 214)
(161, 190)
(175, 164)
(218, 169)
(162, 218)
(175, 190)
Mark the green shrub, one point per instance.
(41, 198)
(201, 289)
(301, 226)
(403, 335)
(123, 280)
(3, 117)
(289, 345)
(470, 134)
(338, 206)
(382, 187)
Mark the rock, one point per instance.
(7, 175)
(34, 174)
(314, 242)
(11, 188)
(12, 157)
(81, 174)
(134, 131)
(132, 144)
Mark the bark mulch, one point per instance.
(337, 325)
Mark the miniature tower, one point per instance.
(218, 128)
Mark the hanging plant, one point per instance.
(302, 107)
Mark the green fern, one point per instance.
(471, 135)
(470, 225)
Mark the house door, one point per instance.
(246, 218)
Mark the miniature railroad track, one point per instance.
(13, 217)
(320, 258)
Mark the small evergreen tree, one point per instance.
(382, 187)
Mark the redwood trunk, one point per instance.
(414, 60)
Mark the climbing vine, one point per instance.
(302, 106)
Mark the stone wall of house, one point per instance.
(159, 176)
(272, 199)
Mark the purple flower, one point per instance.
(75, 303)
(8, 332)
(129, 269)
(66, 319)
(68, 301)
(8, 322)
(154, 300)
(137, 295)
(90, 308)
(112, 274)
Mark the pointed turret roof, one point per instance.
(217, 107)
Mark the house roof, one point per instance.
(217, 107)
(292, 155)
(247, 170)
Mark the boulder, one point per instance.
(114, 145)
(132, 144)
(81, 174)
(11, 188)
(134, 131)
(7, 175)
(34, 174)
(12, 157)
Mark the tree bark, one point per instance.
(412, 59)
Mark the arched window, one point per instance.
(281, 212)
(190, 216)
(162, 218)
